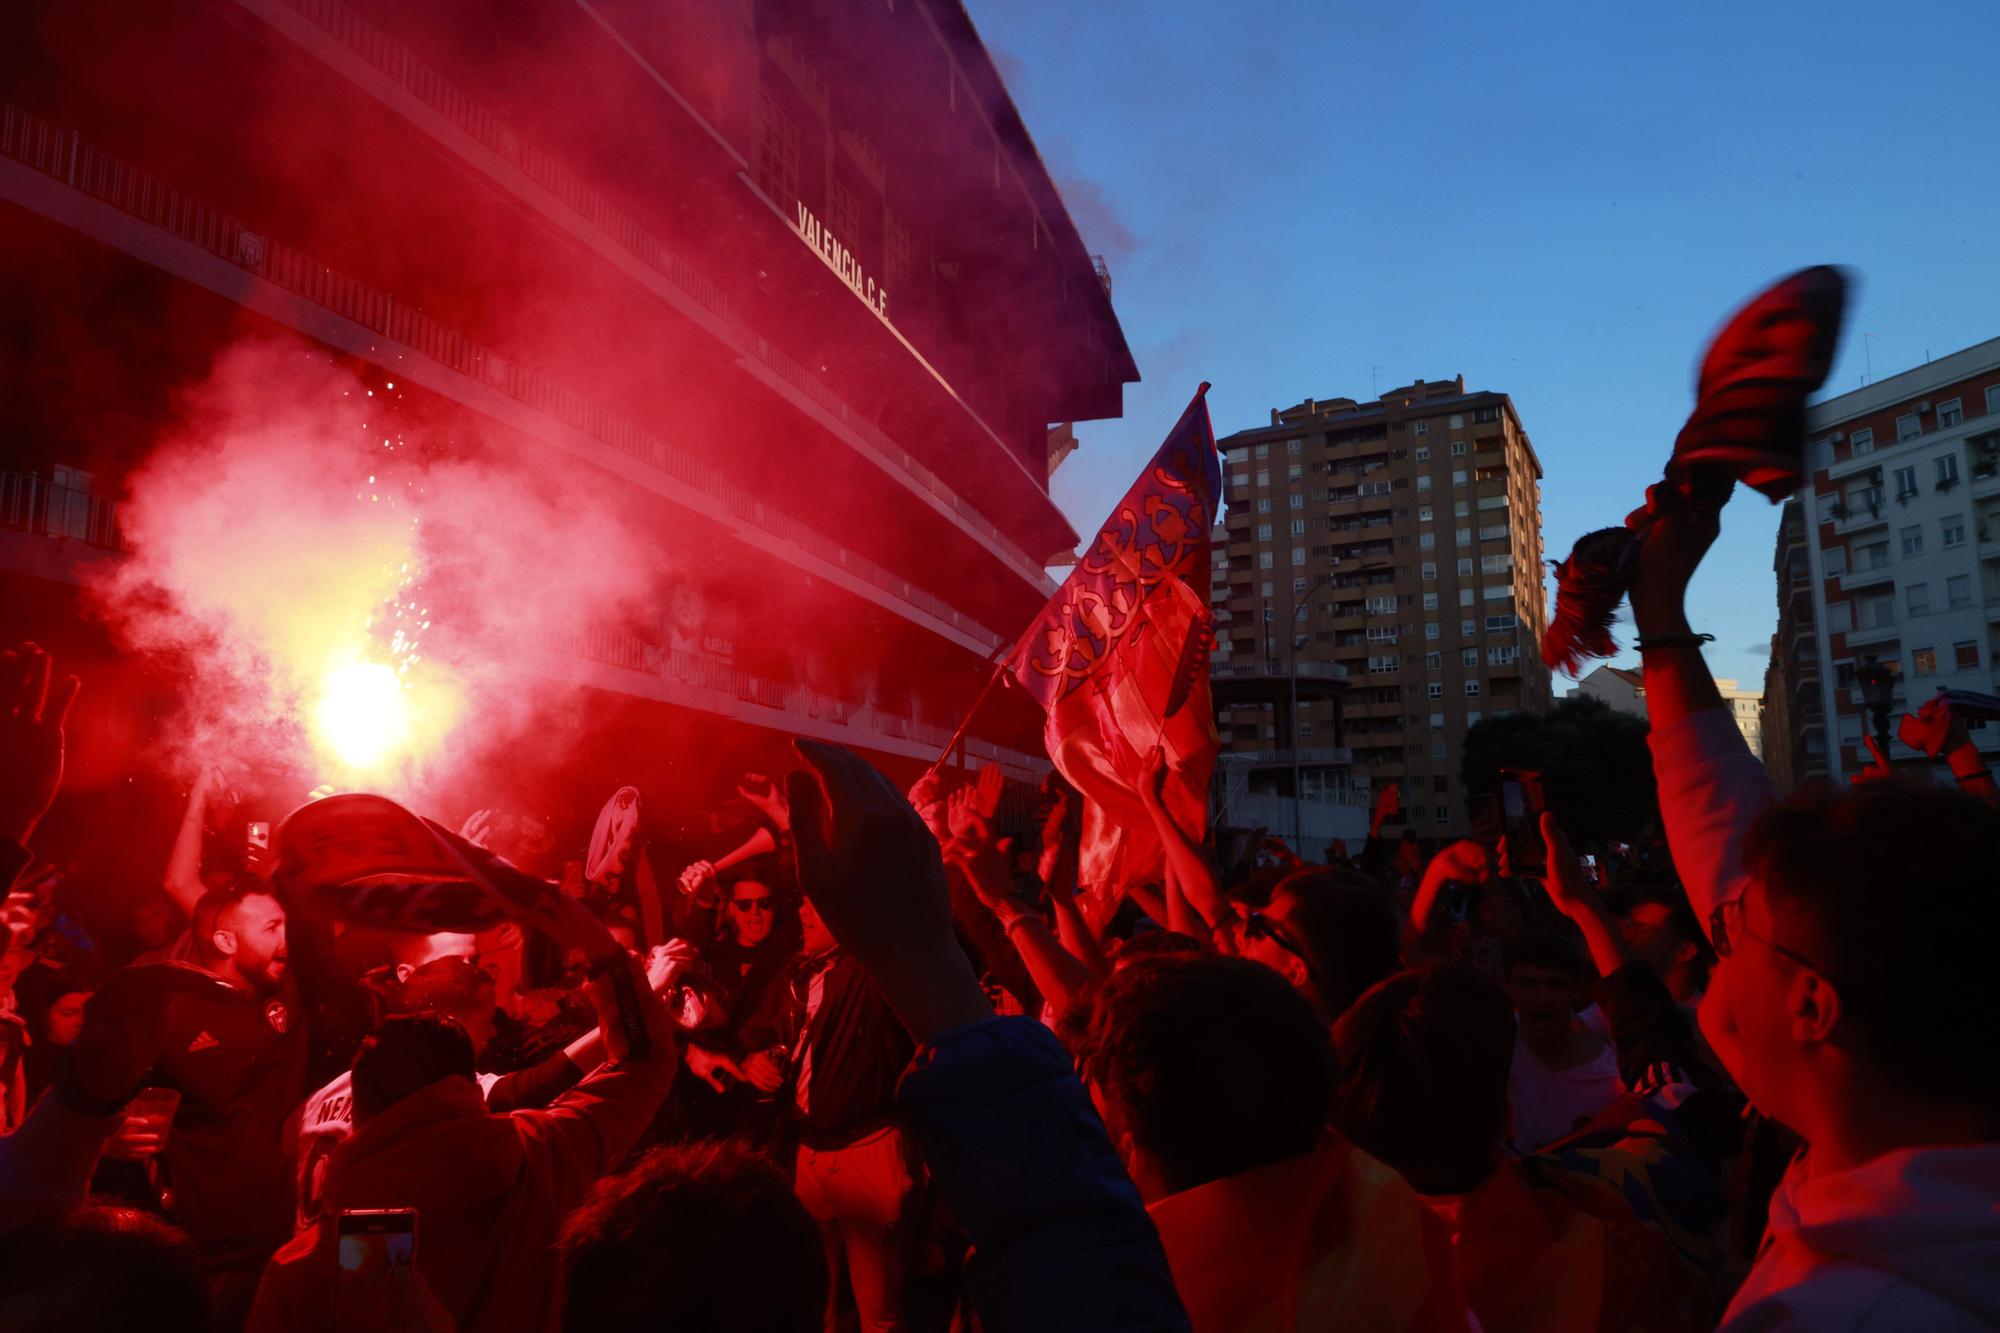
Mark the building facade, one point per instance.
(1624, 689)
(1900, 529)
(1794, 705)
(789, 278)
(1384, 576)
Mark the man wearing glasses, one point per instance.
(742, 1058)
(1854, 932)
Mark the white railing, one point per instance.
(37, 143)
(36, 504)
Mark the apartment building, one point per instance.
(1384, 563)
(1901, 534)
(1794, 706)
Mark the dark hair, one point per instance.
(1892, 885)
(1544, 949)
(1424, 1060)
(705, 1235)
(1216, 1063)
(1680, 914)
(100, 1269)
(212, 906)
(1347, 924)
(452, 986)
(405, 1054)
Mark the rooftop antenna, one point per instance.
(1375, 380)
(1867, 357)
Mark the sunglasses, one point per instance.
(752, 904)
(1725, 927)
(1257, 926)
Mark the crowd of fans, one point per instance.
(884, 1066)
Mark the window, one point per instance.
(1263, 504)
(1436, 688)
(1461, 508)
(1836, 560)
(1949, 414)
(1458, 448)
(1469, 657)
(1502, 654)
(1423, 451)
(1267, 593)
(1433, 661)
(1430, 571)
(1465, 597)
(1294, 472)
(1438, 751)
(1423, 513)
(1422, 428)
(1471, 689)
(1500, 624)
(1958, 590)
(1947, 471)
(1462, 537)
(1923, 661)
(1875, 555)
(1264, 449)
(1426, 541)
(1863, 442)
(1909, 426)
(1437, 721)
(1263, 477)
(1298, 527)
(1918, 595)
(1291, 446)
(1297, 501)
(1993, 398)
(1951, 530)
(1906, 482)
(1263, 532)
(1457, 422)
(1494, 592)
(1965, 656)
(1495, 564)
(1430, 629)
(1298, 585)
(1264, 561)
(1298, 555)
(1423, 481)
(1430, 601)
(1913, 540)
(1465, 568)
(1458, 476)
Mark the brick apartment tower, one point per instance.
(1397, 544)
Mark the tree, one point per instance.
(1597, 767)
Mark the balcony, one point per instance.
(1860, 518)
(37, 505)
(1327, 756)
(1265, 668)
(451, 364)
(1867, 578)
(1886, 632)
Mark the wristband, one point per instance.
(1966, 762)
(1651, 641)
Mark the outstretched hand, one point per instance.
(875, 875)
(1565, 882)
(976, 851)
(1679, 533)
(31, 738)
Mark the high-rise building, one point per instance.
(1901, 533)
(787, 283)
(1385, 571)
(1794, 709)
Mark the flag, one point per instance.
(1119, 660)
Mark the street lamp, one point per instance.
(1877, 685)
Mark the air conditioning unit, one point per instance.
(1838, 436)
(1924, 406)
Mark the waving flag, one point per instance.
(1119, 660)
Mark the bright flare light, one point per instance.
(363, 716)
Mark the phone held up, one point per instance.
(1521, 805)
(376, 1263)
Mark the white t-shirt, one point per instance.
(1550, 1104)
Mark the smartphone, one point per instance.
(260, 835)
(375, 1260)
(1521, 806)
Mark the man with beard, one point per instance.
(239, 1063)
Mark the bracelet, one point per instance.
(1969, 779)
(1674, 641)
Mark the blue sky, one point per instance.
(1558, 200)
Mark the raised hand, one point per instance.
(699, 878)
(1565, 883)
(975, 851)
(714, 1068)
(768, 797)
(1680, 534)
(478, 829)
(875, 875)
(31, 738)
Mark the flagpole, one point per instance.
(999, 669)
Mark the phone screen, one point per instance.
(1521, 813)
(376, 1260)
(260, 834)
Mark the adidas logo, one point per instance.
(203, 1041)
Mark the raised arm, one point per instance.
(1185, 863)
(1059, 975)
(1711, 787)
(183, 878)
